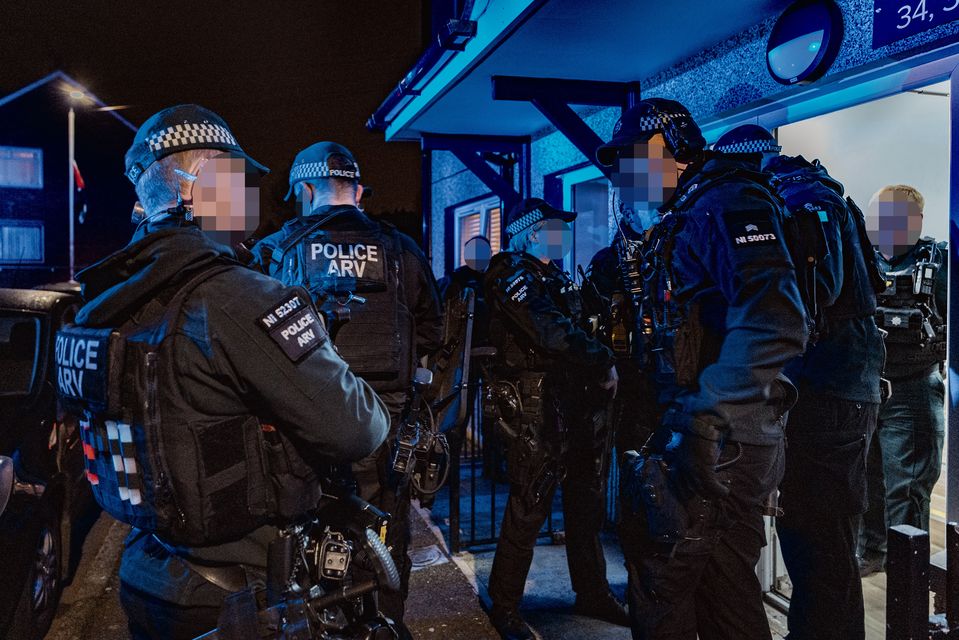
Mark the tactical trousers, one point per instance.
(161, 596)
(904, 459)
(584, 488)
(706, 585)
(150, 618)
(822, 493)
(374, 483)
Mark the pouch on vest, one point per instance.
(199, 483)
(340, 268)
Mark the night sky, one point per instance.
(284, 74)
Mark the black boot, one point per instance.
(604, 606)
(510, 624)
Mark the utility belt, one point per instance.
(229, 577)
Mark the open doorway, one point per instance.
(901, 139)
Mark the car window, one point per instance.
(19, 350)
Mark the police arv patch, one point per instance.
(292, 323)
(750, 228)
(359, 260)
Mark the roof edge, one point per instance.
(60, 75)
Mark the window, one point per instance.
(19, 348)
(482, 218)
(21, 241)
(21, 168)
(591, 227)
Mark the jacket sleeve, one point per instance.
(312, 395)
(424, 299)
(742, 249)
(524, 300)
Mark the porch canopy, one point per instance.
(614, 41)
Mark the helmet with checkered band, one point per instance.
(747, 138)
(649, 117)
(180, 128)
(315, 162)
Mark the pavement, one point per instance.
(90, 606)
(447, 601)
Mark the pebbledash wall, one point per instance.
(719, 80)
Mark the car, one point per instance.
(43, 488)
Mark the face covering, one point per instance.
(634, 222)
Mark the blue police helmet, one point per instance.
(647, 118)
(747, 138)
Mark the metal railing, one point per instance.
(472, 508)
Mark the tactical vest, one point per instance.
(362, 272)
(907, 310)
(513, 351)
(202, 483)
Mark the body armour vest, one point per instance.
(908, 311)
(360, 271)
(810, 204)
(208, 482)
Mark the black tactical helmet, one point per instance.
(747, 138)
(649, 117)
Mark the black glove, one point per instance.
(694, 453)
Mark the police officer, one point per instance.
(614, 274)
(905, 459)
(229, 371)
(543, 354)
(725, 317)
(349, 261)
(839, 391)
(476, 255)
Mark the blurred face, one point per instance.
(226, 198)
(477, 253)
(893, 223)
(644, 178)
(553, 240)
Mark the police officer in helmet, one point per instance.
(547, 415)
(839, 389)
(906, 456)
(725, 317)
(349, 261)
(216, 382)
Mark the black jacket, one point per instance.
(531, 313)
(724, 265)
(226, 365)
(846, 362)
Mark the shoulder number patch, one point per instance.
(293, 324)
(750, 228)
(517, 289)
